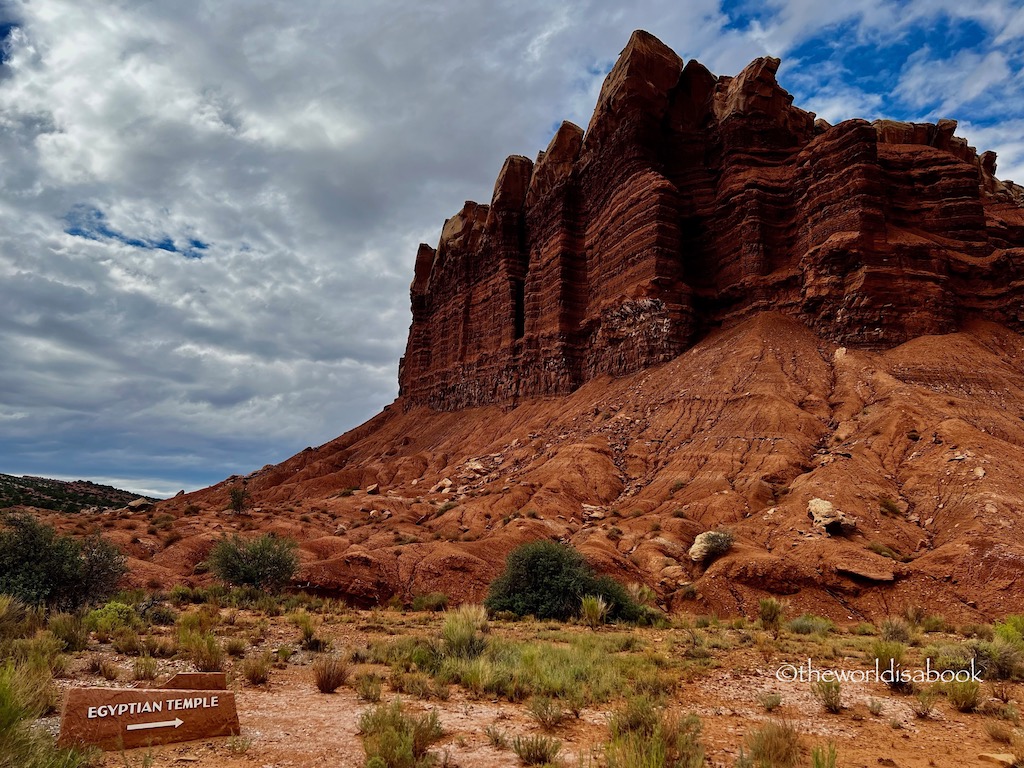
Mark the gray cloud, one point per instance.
(311, 146)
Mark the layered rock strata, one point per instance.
(693, 201)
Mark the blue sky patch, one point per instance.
(91, 223)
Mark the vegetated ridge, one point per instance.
(707, 311)
(60, 495)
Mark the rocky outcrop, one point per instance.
(692, 202)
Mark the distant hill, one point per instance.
(59, 495)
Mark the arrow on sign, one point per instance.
(162, 724)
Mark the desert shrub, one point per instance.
(770, 701)
(667, 741)
(267, 562)
(1000, 660)
(640, 714)
(412, 683)
(889, 654)
(14, 618)
(808, 624)
(889, 507)
(924, 700)
(770, 611)
(70, 630)
(127, 641)
(593, 610)
(308, 626)
(717, 543)
(235, 646)
(112, 617)
(896, 629)
(830, 694)
(24, 696)
(397, 740)
(546, 711)
(368, 687)
(42, 650)
(933, 623)
(463, 632)
(548, 580)
(536, 749)
(330, 672)
(963, 695)
(144, 668)
(432, 601)
(40, 567)
(496, 737)
(824, 757)
(205, 652)
(980, 631)
(875, 707)
(775, 745)
(161, 615)
(641, 593)
(256, 669)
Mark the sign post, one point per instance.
(123, 718)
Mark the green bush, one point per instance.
(809, 624)
(268, 562)
(110, 619)
(770, 611)
(536, 750)
(463, 632)
(548, 580)
(396, 740)
(432, 601)
(40, 567)
(70, 630)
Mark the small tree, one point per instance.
(267, 562)
(239, 498)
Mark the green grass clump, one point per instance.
(393, 739)
(330, 672)
(432, 601)
(205, 652)
(964, 695)
(70, 630)
(643, 735)
(463, 632)
(770, 611)
(775, 745)
(809, 624)
(830, 694)
(593, 610)
(536, 750)
(24, 696)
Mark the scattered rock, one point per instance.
(831, 520)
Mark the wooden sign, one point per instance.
(115, 718)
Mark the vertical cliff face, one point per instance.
(693, 201)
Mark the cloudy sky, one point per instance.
(209, 209)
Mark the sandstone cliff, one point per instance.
(692, 202)
(706, 311)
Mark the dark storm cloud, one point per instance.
(209, 210)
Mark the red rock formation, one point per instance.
(692, 202)
(764, 289)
